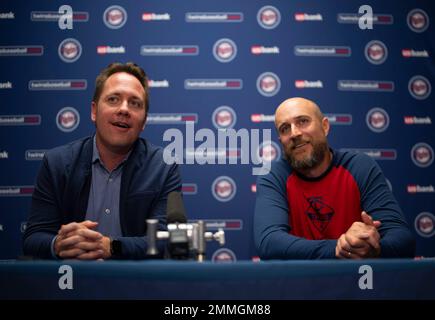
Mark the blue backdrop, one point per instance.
(223, 64)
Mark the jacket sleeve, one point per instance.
(44, 219)
(136, 247)
(271, 226)
(377, 200)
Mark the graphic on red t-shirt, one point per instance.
(323, 208)
(319, 212)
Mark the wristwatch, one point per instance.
(115, 248)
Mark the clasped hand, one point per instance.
(361, 240)
(79, 240)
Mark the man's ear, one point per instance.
(93, 111)
(325, 125)
(277, 132)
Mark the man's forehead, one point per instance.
(289, 115)
(122, 81)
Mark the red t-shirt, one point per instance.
(323, 208)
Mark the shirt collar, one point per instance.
(96, 155)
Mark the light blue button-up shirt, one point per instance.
(104, 194)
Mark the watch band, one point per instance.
(115, 248)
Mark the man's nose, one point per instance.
(295, 131)
(123, 108)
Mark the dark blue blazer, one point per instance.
(62, 191)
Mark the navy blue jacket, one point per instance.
(62, 191)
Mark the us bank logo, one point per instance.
(260, 117)
(67, 119)
(258, 50)
(224, 50)
(418, 20)
(377, 120)
(302, 16)
(376, 52)
(223, 188)
(268, 84)
(419, 87)
(7, 15)
(424, 224)
(305, 84)
(224, 117)
(422, 155)
(70, 50)
(151, 16)
(414, 53)
(416, 188)
(268, 17)
(110, 50)
(115, 17)
(410, 120)
(6, 85)
(158, 83)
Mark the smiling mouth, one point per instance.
(300, 145)
(121, 125)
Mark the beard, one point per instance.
(310, 161)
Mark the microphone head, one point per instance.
(175, 211)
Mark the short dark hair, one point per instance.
(130, 68)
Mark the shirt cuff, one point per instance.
(53, 253)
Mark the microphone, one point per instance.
(178, 240)
(152, 237)
(185, 240)
(178, 246)
(175, 211)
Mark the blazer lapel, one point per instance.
(133, 163)
(81, 182)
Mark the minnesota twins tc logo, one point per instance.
(319, 212)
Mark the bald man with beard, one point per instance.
(320, 203)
